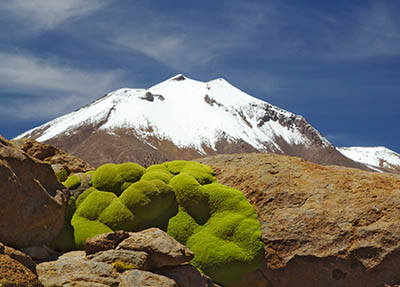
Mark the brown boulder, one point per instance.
(321, 225)
(105, 241)
(19, 256)
(33, 201)
(53, 155)
(162, 248)
(13, 273)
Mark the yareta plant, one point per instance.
(215, 221)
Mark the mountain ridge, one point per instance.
(184, 118)
(378, 158)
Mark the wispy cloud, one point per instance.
(50, 87)
(47, 14)
(378, 32)
(364, 31)
(187, 44)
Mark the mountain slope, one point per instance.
(183, 118)
(378, 158)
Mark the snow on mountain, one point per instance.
(187, 112)
(191, 118)
(378, 158)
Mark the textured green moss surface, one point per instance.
(116, 177)
(108, 178)
(158, 172)
(62, 175)
(216, 222)
(227, 245)
(72, 182)
(84, 229)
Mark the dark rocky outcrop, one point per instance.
(321, 225)
(32, 200)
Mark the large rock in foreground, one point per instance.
(321, 225)
(32, 200)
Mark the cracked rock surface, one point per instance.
(321, 225)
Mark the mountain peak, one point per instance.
(178, 77)
(182, 118)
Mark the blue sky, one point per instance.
(335, 62)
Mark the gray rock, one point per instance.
(137, 278)
(74, 269)
(137, 259)
(162, 248)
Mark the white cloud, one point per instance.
(187, 44)
(53, 88)
(47, 14)
(368, 31)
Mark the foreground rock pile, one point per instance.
(321, 225)
(147, 258)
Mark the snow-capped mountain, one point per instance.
(377, 158)
(183, 118)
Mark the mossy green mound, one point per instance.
(116, 177)
(216, 222)
(227, 245)
(142, 205)
(72, 182)
(157, 172)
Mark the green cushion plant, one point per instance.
(72, 182)
(62, 175)
(228, 243)
(216, 222)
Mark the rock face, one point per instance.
(32, 200)
(125, 259)
(53, 155)
(321, 225)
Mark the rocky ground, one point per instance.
(321, 226)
